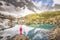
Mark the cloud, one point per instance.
(56, 1)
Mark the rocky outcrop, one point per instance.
(20, 37)
(55, 35)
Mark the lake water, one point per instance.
(44, 26)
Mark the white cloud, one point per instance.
(56, 1)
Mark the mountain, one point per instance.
(17, 8)
(13, 4)
(57, 6)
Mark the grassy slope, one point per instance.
(44, 14)
(41, 18)
(34, 18)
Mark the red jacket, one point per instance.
(21, 30)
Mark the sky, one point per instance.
(40, 3)
(43, 1)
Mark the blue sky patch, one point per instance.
(44, 2)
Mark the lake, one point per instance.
(44, 26)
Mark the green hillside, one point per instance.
(42, 17)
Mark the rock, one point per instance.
(55, 35)
(20, 37)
